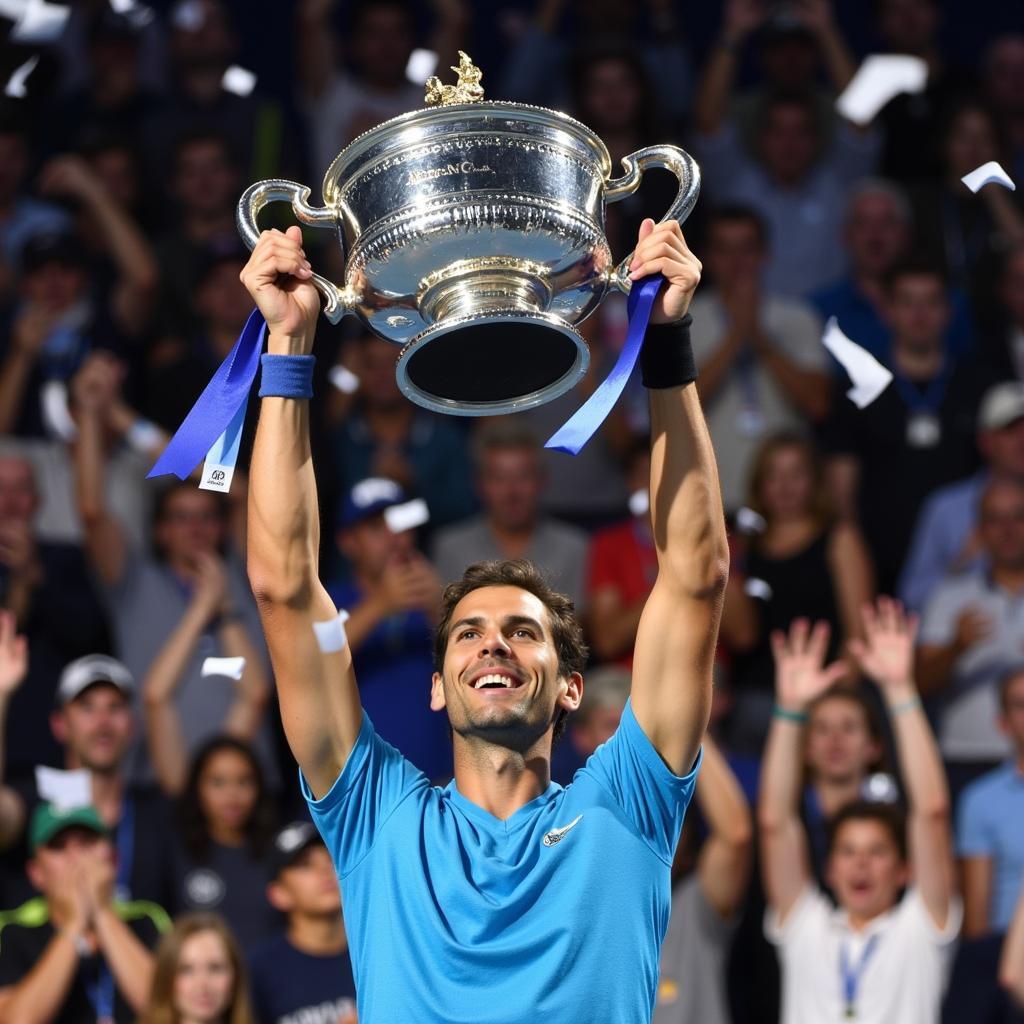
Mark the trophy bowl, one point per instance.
(473, 237)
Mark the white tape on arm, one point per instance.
(231, 667)
(330, 635)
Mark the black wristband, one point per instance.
(666, 358)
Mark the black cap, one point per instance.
(290, 842)
(52, 247)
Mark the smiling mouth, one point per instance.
(496, 681)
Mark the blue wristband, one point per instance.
(286, 376)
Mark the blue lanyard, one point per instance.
(125, 844)
(851, 975)
(101, 994)
(931, 399)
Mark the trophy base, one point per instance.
(489, 364)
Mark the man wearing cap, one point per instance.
(946, 537)
(392, 596)
(970, 636)
(94, 723)
(304, 974)
(75, 953)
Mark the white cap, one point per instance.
(93, 668)
(1001, 406)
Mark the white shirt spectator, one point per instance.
(749, 405)
(900, 982)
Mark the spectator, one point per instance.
(204, 186)
(304, 972)
(970, 635)
(594, 722)
(621, 568)
(393, 597)
(990, 838)
(222, 861)
(946, 538)
(1003, 70)
(962, 231)
(793, 179)
(762, 367)
(48, 588)
(94, 725)
(149, 595)
(534, 70)
(887, 949)
(804, 563)
(1003, 347)
(345, 100)
(21, 216)
(388, 436)
(877, 237)
(199, 976)
(510, 479)
(209, 609)
(75, 953)
(918, 435)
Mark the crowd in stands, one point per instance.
(857, 841)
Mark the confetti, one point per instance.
(640, 502)
(343, 379)
(878, 80)
(16, 83)
(421, 66)
(40, 22)
(869, 377)
(406, 516)
(330, 635)
(230, 667)
(986, 174)
(65, 790)
(757, 589)
(239, 81)
(749, 521)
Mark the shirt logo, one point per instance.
(556, 835)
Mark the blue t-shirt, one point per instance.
(990, 823)
(556, 913)
(292, 987)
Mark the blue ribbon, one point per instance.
(216, 407)
(581, 426)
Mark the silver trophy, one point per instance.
(473, 235)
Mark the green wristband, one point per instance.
(907, 705)
(789, 716)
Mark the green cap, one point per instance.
(49, 820)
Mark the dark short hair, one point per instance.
(889, 817)
(1006, 680)
(566, 630)
(915, 268)
(738, 213)
(789, 98)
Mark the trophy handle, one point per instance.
(672, 158)
(337, 301)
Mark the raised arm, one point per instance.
(714, 91)
(319, 701)
(800, 677)
(886, 654)
(678, 630)
(13, 666)
(723, 867)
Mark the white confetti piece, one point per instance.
(640, 502)
(406, 516)
(230, 667)
(990, 173)
(330, 635)
(53, 398)
(869, 377)
(40, 22)
(374, 489)
(878, 80)
(65, 790)
(15, 87)
(238, 80)
(421, 66)
(343, 379)
(757, 589)
(749, 521)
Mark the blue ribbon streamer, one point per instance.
(215, 408)
(572, 435)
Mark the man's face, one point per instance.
(839, 747)
(55, 285)
(370, 546)
(1004, 74)
(379, 388)
(204, 181)
(1011, 288)
(877, 234)
(382, 43)
(865, 869)
(918, 311)
(95, 728)
(734, 252)
(65, 854)
(308, 886)
(597, 728)
(502, 635)
(788, 142)
(191, 523)
(1003, 449)
(1002, 526)
(222, 299)
(612, 95)
(510, 482)
(18, 497)
(787, 489)
(908, 26)
(1011, 719)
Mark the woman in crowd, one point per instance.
(199, 977)
(798, 561)
(227, 821)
